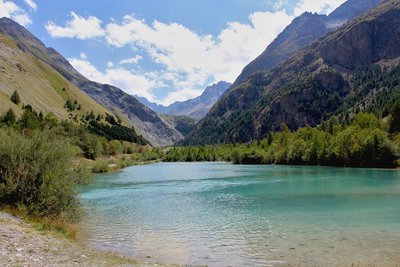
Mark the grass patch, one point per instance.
(8, 41)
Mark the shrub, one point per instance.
(37, 174)
(100, 167)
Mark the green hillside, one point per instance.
(38, 84)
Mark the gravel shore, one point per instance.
(21, 244)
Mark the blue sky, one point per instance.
(164, 50)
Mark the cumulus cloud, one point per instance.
(11, 10)
(131, 60)
(31, 4)
(321, 6)
(190, 59)
(78, 27)
(129, 81)
(186, 60)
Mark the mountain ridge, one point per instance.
(196, 108)
(303, 30)
(316, 83)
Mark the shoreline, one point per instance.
(25, 244)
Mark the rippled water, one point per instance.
(230, 215)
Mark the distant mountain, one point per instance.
(354, 68)
(196, 108)
(53, 71)
(183, 124)
(304, 30)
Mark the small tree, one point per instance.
(9, 118)
(15, 98)
(69, 105)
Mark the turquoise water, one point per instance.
(231, 215)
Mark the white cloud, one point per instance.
(131, 60)
(110, 64)
(83, 55)
(189, 59)
(78, 27)
(280, 4)
(31, 4)
(180, 95)
(11, 10)
(132, 83)
(320, 6)
(186, 60)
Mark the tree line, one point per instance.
(364, 142)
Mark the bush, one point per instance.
(37, 174)
(101, 167)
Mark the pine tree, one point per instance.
(9, 118)
(15, 98)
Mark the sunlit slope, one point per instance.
(37, 83)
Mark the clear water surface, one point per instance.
(220, 214)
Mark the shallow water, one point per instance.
(233, 215)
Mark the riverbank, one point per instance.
(114, 163)
(23, 244)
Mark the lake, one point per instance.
(219, 214)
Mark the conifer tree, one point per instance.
(9, 118)
(15, 98)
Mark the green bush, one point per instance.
(37, 174)
(101, 167)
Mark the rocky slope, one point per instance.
(146, 121)
(349, 70)
(196, 108)
(49, 71)
(304, 30)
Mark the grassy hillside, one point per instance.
(37, 83)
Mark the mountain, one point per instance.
(50, 72)
(196, 108)
(183, 124)
(354, 68)
(37, 82)
(304, 30)
(146, 121)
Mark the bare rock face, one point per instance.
(353, 67)
(304, 30)
(369, 42)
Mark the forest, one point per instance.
(366, 141)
